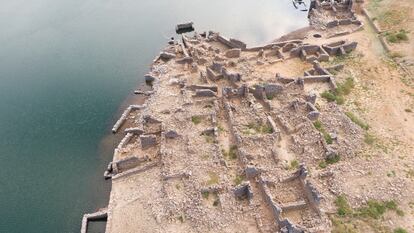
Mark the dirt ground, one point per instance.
(384, 98)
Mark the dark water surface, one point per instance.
(65, 67)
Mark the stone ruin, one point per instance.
(336, 17)
(340, 47)
(310, 53)
(226, 136)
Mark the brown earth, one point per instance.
(384, 98)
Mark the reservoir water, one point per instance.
(65, 68)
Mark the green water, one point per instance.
(65, 68)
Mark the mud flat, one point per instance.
(228, 134)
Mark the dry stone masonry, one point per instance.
(225, 138)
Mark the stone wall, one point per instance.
(285, 45)
(127, 163)
(232, 43)
(97, 216)
(310, 53)
(124, 116)
(340, 47)
(285, 225)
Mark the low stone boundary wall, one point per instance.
(384, 43)
(230, 116)
(125, 140)
(184, 46)
(371, 21)
(235, 43)
(275, 129)
(127, 163)
(321, 78)
(176, 176)
(135, 170)
(124, 116)
(284, 123)
(317, 78)
(232, 43)
(313, 111)
(134, 130)
(377, 29)
(280, 44)
(383, 40)
(100, 215)
(297, 205)
(120, 166)
(198, 87)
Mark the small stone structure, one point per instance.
(310, 53)
(124, 116)
(97, 216)
(340, 47)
